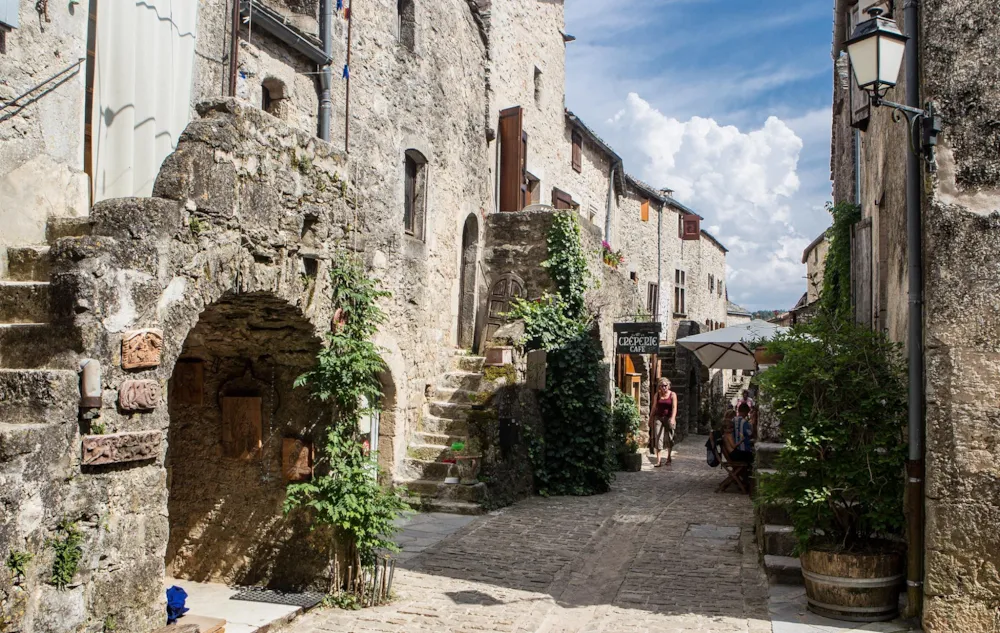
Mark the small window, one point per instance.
(538, 86)
(680, 292)
(634, 276)
(577, 157)
(644, 211)
(407, 15)
(415, 193)
(680, 226)
(272, 92)
(534, 190)
(720, 287)
(653, 300)
(711, 282)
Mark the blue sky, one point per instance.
(728, 103)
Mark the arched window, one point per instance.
(414, 193)
(407, 16)
(272, 94)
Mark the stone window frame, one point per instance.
(274, 92)
(415, 199)
(680, 292)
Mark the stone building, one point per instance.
(959, 209)
(814, 257)
(171, 218)
(737, 314)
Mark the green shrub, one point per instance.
(626, 419)
(840, 393)
(17, 563)
(68, 552)
(347, 495)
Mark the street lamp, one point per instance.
(876, 50)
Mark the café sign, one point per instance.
(638, 338)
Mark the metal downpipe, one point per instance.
(326, 72)
(914, 339)
(610, 205)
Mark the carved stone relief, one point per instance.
(139, 395)
(296, 459)
(141, 349)
(120, 447)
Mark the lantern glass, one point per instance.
(890, 58)
(876, 50)
(864, 60)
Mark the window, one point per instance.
(272, 91)
(577, 152)
(680, 292)
(680, 226)
(644, 210)
(711, 282)
(634, 276)
(407, 29)
(690, 227)
(414, 193)
(88, 100)
(720, 287)
(534, 190)
(513, 160)
(653, 300)
(538, 86)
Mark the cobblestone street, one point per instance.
(661, 552)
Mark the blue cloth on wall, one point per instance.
(176, 597)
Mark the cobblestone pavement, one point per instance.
(661, 552)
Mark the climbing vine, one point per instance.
(574, 453)
(346, 494)
(835, 299)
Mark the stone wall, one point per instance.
(638, 241)
(961, 225)
(815, 265)
(41, 141)
(588, 187)
(699, 259)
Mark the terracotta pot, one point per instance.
(853, 587)
(762, 357)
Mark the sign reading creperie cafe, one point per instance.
(638, 338)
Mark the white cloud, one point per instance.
(743, 182)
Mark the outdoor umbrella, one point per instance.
(729, 347)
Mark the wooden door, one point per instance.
(513, 158)
(506, 287)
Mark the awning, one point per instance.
(729, 347)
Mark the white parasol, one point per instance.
(729, 347)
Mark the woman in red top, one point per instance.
(663, 420)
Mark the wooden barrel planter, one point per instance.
(853, 587)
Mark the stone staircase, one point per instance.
(443, 423)
(774, 528)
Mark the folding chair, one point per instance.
(735, 471)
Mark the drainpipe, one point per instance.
(611, 201)
(914, 338)
(659, 262)
(857, 167)
(326, 72)
(234, 48)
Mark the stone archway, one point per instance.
(238, 432)
(467, 281)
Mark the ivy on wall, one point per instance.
(835, 297)
(574, 454)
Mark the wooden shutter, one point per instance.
(561, 199)
(861, 271)
(577, 152)
(653, 300)
(860, 107)
(645, 211)
(513, 146)
(692, 227)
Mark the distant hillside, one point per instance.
(767, 315)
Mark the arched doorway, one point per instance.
(239, 432)
(467, 279)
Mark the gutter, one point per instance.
(325, 71)
(610, 205)
(277, 25)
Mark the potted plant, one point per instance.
(610, 256)
(763, 356)
(467, 459)
(840, 394)
(626, 419)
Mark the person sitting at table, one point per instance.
(737, 435)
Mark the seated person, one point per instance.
(737, 436)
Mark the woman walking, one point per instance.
(663, 420)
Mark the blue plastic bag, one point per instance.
(175, 603)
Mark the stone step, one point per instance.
(428, 452)
(458, 396)
(428, 489)
(446, 507)
(39, 396)
(438, 439)
(779, 540)
(765, 454)
(25, 439)
(28, 263)
(467, 380)
(36, 345)
(57, 228)
(449, 410)
(24, 301)
(774, 514)
(783, 570)
(425, 469)
(470, 363)
(444, 426)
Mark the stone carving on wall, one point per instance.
(241, 427)
(120, 447)
(296, 459)
(139, 395)
(141, 349)
(188, 382)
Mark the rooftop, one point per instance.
(736, 310)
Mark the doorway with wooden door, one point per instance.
(467, 281)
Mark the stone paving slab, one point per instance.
(787, 605)
(661, 552)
